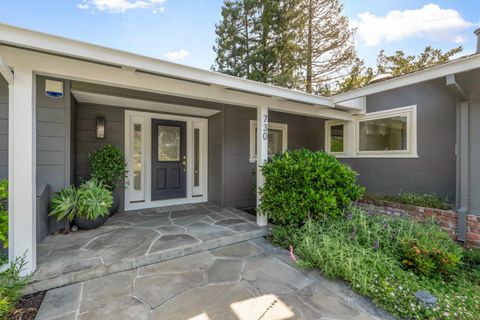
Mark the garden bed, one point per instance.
(27, 307)
(447, 219)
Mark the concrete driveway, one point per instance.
(246, 281)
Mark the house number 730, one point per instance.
(265, 127)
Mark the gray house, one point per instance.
(192, 136)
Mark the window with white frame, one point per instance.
(388, 133)
(277, 139)
(336, 133)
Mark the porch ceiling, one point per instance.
(111, 100)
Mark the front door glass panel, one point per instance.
(168, 143)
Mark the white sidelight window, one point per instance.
(137, 159)
(200, 140)
(384, 134)
(277, 139)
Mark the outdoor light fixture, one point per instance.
(100, 128)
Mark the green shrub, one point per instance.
(471, 257)
(302, 184)
(3, 214)
(419, 200)
(11, 285)
(430, 251)
(108, 166)
(340, 251)
(94, 200)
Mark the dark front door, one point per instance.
(169, 176)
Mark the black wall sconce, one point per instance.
(100, 128)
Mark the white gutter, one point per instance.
(43, 42)
(453, 67)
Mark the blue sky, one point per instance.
(184, 30)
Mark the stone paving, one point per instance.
(138, 238)
(245, 281)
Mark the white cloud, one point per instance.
(430, 21)
(177, 55)
(121, 6)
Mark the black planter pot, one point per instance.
(116, 202)
(86, 224)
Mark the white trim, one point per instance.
(80, 70)
(452, 67)
(29, 39)
(271, 125)
(410, 113)
(147, 172)
(5, 72)
(328, 137)
(352, 136)
(262, 149)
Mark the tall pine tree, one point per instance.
(328, 45)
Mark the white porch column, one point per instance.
(262, 157)
(21, 168)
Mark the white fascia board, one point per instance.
(81, 70)
(453, 67)
(357, 104)
(81, 50)
(5, 72)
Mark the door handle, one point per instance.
(184, 162)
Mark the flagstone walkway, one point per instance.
(133, 239)
(246, 281)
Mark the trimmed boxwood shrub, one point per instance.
(302, 184)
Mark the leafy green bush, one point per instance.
(108, 166)
(471, 257)
(430, 251)
(94, 200)
(302, 184)
(419, 200)
(3, 214)
(11, 285)
(367, 251)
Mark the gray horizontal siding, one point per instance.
(53, 134)
(3, 129)
(435, 169)
(303, 132)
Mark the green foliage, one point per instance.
(11, 285)
(290, 43)
(471, 257)
(91, 200)
(302, 184)
(3, 214)
(369, 257)
(397, 64)
(108, 165)
(430, 252)
(65, 204)
(420, 200)
(94, 200)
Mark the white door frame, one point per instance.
(194, 194)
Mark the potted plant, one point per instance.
(65, 206)
(88, 205)
(108, 166)
(94, 202)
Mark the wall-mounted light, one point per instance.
(54, 89)
(100, 128)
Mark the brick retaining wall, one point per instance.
(447, 219)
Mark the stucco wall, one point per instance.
(435, 168)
